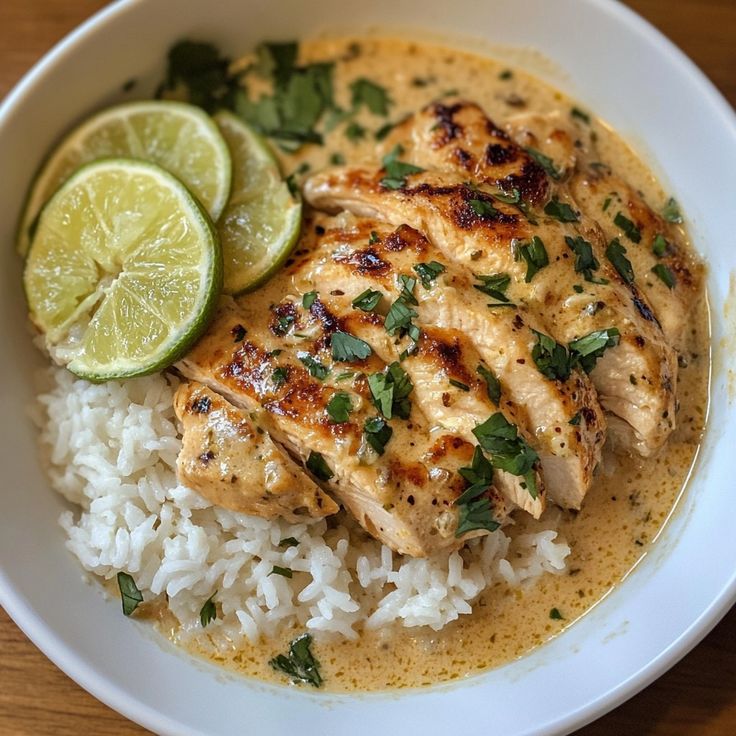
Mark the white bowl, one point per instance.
(615, 64)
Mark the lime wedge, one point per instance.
(178, 137)
(261, 221)
(124, 270)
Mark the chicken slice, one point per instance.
(636, 378)
(233, 463)
(561, 419)
(404, 496)
(657, 245)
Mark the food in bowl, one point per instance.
(434, 417)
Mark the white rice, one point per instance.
(112, 451)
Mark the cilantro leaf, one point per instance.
(354, 131)
(587, 349)
(370, 94)
(208, 612)
(377, 433)
(339, 407)
(347, 348)
(299, 664)
(314, 367)
(659, 245)
(308, 299)
(629, 228)
(552, 359)
(616, 254)
(545, 162)
(560, 211)
(493, 385)
(317, 465)
(396, 171)
(671, 211)
(664, 273)
(585, 260)
(285, 572)
(494, 285)
(555, 615)
(459, 384)
(474, 512)
(289, 542)
(279, 376)
(428, 272)
(130, 595)
(576, 112)
(368, 301)
(390, 391)
(535, 255)
(483, 208)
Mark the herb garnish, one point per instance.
(535, 255)
(494, 285)
(587, 349)
(555, 615)
(575, 421)
(659, 245)
(318, 466)
(130, 594)
(664, 273)
(377, 432)
(285, 572)
(373, 238)
(208, 612)
(629, 228)
(396, 171)
(474, 512)
(428, 272)
(337, 159)
(508, 451)
(459, 384)
(300, 664)
(354, 132)
(493, 385)
(552, 359)
(545, 162)
(347, 348)
(671, 211)
(314, 367)
(506, 74)
(339, 407)
(279, 376)
(308, 299)
(585, 260)
(368, 300)
(400, 315)
(616, 254)
(576, 112)
(370, 94)
(560, 211)
(482, 208)
(289, 542)
(390, 391)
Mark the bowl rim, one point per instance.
(115, 696)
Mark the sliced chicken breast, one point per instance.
(233, 463)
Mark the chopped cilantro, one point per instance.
(493, 385)
(347, 348)
(318, 466)
(314, 367)
(616, 254)
(370, 94)
(664, 273)
(671, 211)
(308, 299)
(552, 359)
(428, 272)
(396, 171)
(555, 615)
(545, 162)
(285, 572)
(535, 255)
(483, 208)
(299, 664)
(208, 612)
(337, 159)
(659, 246)
(585, 260)
(575, 420)
(339, 407)
(494, 285)
(390, 391)
(576, 112)
(629, 228)
(373, 238)
(354, 132)
(587, 349)
(459, 384)
(506, 74)
(377, 432)
(368, 300)
(129, 593)
(560, 211)
(475, 512)
(289, 542)
(279, 376)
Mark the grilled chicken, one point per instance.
(230, 461)
(455, 203)
(280, 368)
(459, 333)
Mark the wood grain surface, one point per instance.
(698, 696)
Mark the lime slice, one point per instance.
(124, 270)
(261, 221)
(179, 137)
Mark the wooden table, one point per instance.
(698, 696)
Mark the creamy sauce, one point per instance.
(630, 499)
